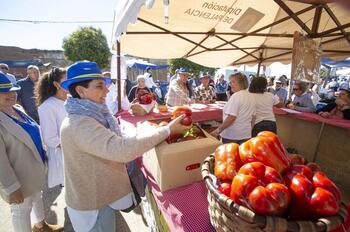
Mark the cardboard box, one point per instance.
(178, 164)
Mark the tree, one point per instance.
(87, 43)
(194, 68)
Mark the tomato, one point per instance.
(186, 121)
(182, 110)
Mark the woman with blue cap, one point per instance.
(95, 151)
(22, 163)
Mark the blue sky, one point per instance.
(50, 36)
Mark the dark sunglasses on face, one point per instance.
(4, 68)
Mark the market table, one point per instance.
(199, 113)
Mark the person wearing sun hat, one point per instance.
(22, 163)
(96, 152)
(205, 93)
(179, 93)
(278, 90)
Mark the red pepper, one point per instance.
(225, 188)
(260, 188)
(313, 194)
(265, 148)
(145, 99)
(227, 161)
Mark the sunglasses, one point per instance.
(4, 68)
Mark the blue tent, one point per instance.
(333, 63)
(143, 64)
(21, 63)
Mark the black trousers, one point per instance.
(221, 97)
(224, 141)
(264, 126)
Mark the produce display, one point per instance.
(193, 133)
(260, 188)
(143, 104)
(146, 98)
(260, 175)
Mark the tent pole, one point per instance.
(258, 72)
(260, 61)
(119, 84)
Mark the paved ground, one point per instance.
(56, 214)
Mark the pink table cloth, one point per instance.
(184, 208)
(312, 117)
(210, 112)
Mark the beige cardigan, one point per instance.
(95, 157)
(20, 162)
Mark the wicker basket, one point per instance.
(225, 215)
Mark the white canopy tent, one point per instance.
(229, 32)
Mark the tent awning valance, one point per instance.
(229, 32)
(335, 63)
(21, 63)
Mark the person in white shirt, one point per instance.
(264, 117)
(238, 113)
(112, 95)
(50, 99)
(149, 79)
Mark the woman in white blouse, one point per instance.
(50, 98)
(265, 101)
(238, 112)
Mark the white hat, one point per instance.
(140, 77)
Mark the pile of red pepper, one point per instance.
(259, 174)
(146, 98)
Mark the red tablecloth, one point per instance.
(184, 208)
(211, 112)
(312, 117)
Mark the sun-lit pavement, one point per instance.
(54, 210)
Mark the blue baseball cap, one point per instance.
(6, 85)
(183, 70)
(83, 71)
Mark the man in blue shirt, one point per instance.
(26, 94)
(277, 89)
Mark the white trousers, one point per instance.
(32, 206)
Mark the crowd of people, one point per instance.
(86, 150)
(249, 109)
